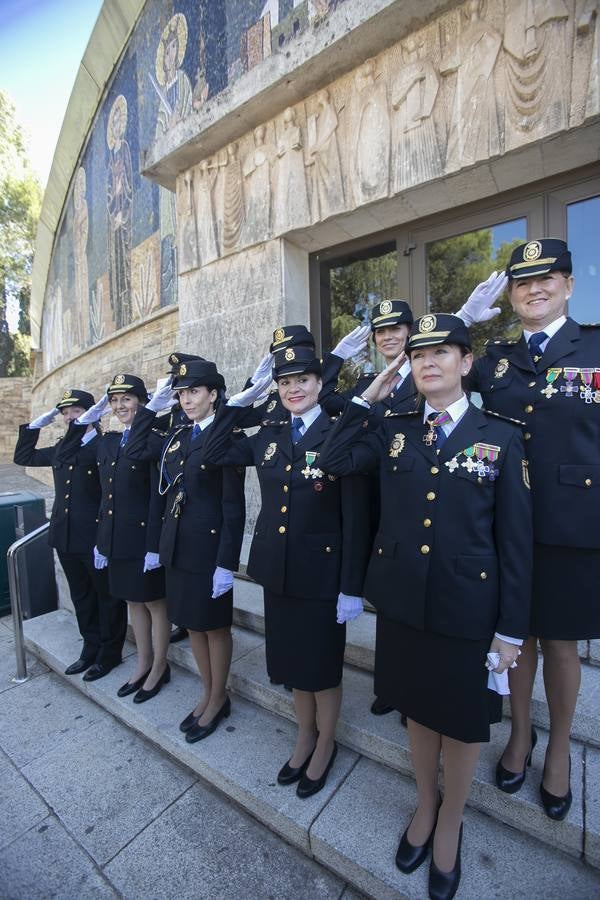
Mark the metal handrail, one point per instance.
(14, 583)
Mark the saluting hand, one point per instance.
(162, 397)
(45, 419)
(95, 412)
(383, 385)
(478, 307)
(248, 397)
(352, 343)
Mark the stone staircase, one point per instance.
(352, 827)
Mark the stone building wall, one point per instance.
(15, 402)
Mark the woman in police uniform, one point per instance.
(129, 523)
(201, 535)
(307, 549)
(449, 573)
(102, 618)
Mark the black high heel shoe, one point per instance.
(143, 695)
(309, 786)
(198, 732)
(511, 782)
(188, 722)
(288, 775)
(556, 807)
(130, 687)
(444, 885)
(408, 856)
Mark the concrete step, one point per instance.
(353, 825)
(360, 652)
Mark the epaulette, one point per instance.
(273, 422)
(589, 324)
(396, 415)
(163, 432)
(506, 343)
(490, 412)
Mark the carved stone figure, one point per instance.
(186, 224)
(233, 200)
(473, 127)
(205, 176)
(80, 237)
(589, 21)
(291, 199)
(257, 191)
(536, 83)
(371, 136)
(414, 91)
(119, 203)
(175, 103)
(324, 160)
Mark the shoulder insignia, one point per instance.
(506, 343)
(490, 412)
(589, 324)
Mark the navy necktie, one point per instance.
(124, 437)
(195, 431)
(297, 424)
(535, 345)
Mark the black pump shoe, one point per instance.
(444, 885)
(288, 775)
(198, 732)
(309, 786)
(188, 722)
(511, 782)
(130, 687)
(409, 857)
(556, 807)
(143, 695)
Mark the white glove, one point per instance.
(162, 398)
(353, 343)
(95, 412)
(100, 561)
(222, 582)
(477, 307)
(44, 419)
(151, 561)
(263, 368)
(247, 397)
(348, 608)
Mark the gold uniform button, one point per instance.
(284, 509)
(213, 530)
(282, 529)
(143, 524)
(66, 496)
(113, 463)
(110, 496)
(68, 481)
(89, 471)
(435, 470)
(531, 384)
(483, 575)
(285, 488)
(380, 551)
(425, 549)
(527, 435)
(180, 462)
(110, 512)
(427, 523)
(110, 480)
(288, 468)
(588, 482)
(394, 468)
(202, 466)
(66, 510)
(529, 408)
(431, 495)
(327, 549)
(70, 468)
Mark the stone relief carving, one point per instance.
(291, 197)
(233, 200)
(80, 238)
(256, 170)
(473, 132)
(186, 217)
(205, 176)
(119, 200)
(372, 138)
(413, 95)
(536, 89)
(588, 24)
(324, 160)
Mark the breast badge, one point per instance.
(270, 451)
(501, 368)
(397, 446)
(174, 447)
(271, 406)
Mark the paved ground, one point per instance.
(90, 809)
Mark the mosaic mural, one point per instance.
(116, 253)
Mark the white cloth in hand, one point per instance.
(247, 397)
(100, 561)
(44, 419)
(497, 681)
(95, 412)
(353, 343)
(162, 398)
(222, 582)
(263, 369)
(478, 307)
(151, 561)
(348, 608)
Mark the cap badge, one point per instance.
(119, 379)
(385, 307)
(397, 446)
(66, 395)
(427, 324)
(183, 369)
(532, 251)
(173, 359)
(279, 334)
(289, 355)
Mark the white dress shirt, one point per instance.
(308, 418)
(550, 330)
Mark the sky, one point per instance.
(41, 45)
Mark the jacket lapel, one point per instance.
(520, 357)
(415, 430)
(313, 436)
(465, 433)
(560, 345)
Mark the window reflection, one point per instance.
(583, 224)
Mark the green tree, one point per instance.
(20, 204)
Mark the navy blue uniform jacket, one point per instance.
(309, 540)
(454, 546)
